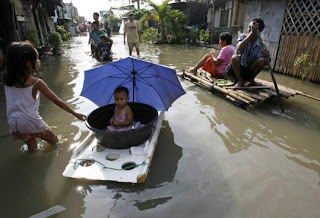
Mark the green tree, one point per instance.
(162, 14)
(113, 21)
(170, 21)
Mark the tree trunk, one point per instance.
(163, 33)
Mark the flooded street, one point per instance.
(213, 159)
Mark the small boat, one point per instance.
(97, 158)
(243, 96)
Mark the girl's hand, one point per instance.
(212, 51)
(80, 116)
(115, 123)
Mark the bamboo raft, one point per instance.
(243, 96)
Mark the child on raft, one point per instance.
(122, 119)
(22, 89)
(217, 66)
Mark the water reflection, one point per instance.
(151, 203)
(212, 157)
(102, 197)
(265, 127)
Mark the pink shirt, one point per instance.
(225, 56)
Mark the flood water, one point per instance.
(213, 159)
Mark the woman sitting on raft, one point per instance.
(217, 66)
(122, 119)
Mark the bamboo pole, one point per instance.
(254, 95)
(309, 96)
(249, 87)
(269, 67)
(218, 88)
(242, 95)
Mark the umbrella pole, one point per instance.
(133, 85)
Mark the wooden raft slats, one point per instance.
(242, 97)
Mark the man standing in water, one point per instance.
(132, 31)
(249, 60)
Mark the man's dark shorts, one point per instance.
(246, 73)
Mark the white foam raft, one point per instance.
(121, 165)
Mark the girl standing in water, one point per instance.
(22, 96)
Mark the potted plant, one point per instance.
(46, 47)
(32, 36)
(55, 41)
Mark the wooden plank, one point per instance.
(249, 87)
(294, 46)
(218, 88)
(281, 87)
(253, 95)
(244, 96)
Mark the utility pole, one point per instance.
(211, 24)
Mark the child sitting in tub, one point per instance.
(122, 118)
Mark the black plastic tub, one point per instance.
(98, 120)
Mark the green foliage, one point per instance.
(76, 18)
(163, 16)
(176, 37)
(204, 36)
(66, 35)
(113, 22)
(32, 36)
(54, 39)
(303, 65)
(193, 34)
(149, 20)
(175, 27)
(138, 13)
(150, 35)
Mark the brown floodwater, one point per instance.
(213, 159)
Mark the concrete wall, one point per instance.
(272, 13)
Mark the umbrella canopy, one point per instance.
(148, 83)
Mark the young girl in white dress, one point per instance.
(22, 89)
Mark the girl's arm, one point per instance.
(111, 121)
(215, 60)
(46, 91)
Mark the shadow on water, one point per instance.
(264, 126)
(33, 182)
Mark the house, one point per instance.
(18, 18)
(226, 16)
(292, 29)
(67, 16)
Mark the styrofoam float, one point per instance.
(94, 162)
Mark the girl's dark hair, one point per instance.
(121, 89)
(19, 55)
(226, 36)
(96, 14)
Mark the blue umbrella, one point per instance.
(147, 82)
